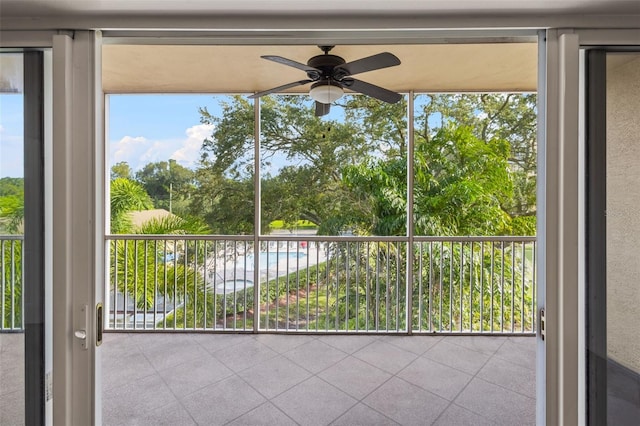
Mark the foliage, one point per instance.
(126, 195)
(474, 162)
(168, 184)
(510, 117)
(11, 213)
(172, 263)
(298, 224)
(480, 286)
(11, 205)
(11, 276)
(225, 204)
(460, 184)
(173, 225)
(121, 170)
(11, 186)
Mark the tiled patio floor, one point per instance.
(211, 379)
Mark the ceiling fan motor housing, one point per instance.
(326, 64)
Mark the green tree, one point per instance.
(461, 183)
(312, 189)
(11, 213)
(11, 275)
(168, 184)
(225, 203)
(126, 196)
(11, 205)
(511, 117)
(121, 170)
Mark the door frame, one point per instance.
(78, 220)
(36, 296)
(594, 48)
(551, 54)
(566, 370)
(74, 221)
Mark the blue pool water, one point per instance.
(272, 258)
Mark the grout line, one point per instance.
(473, 376)
(437, 338)
(269, 398)
(268, 401)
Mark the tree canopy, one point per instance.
(474, 166)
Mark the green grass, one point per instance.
(300, 224)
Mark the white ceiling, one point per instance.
(36, 8)
(490, 67)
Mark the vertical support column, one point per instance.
(33, 250)
(558, 231)
(257, 231)
(77, 224)
(410, 219)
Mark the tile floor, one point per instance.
(11, 379)
(207, 379)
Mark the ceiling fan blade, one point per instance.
(291, 63)
(371, 90)
(279, 88)
(370, 63)
(322, 109)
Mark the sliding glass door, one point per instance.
(24, 349)
(613, 232)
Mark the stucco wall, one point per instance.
(623, 209)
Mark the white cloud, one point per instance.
(1, 128)
(139, 151)
(127, 149)
(189, 153)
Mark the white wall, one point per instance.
(623, 209)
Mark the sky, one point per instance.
(151, 128)
(141, 129)
(11, 139)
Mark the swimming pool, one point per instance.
(272, 258)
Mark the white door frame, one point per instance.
(561, 382)
(75, 217)
(78, 224)
(602, 39)
(558, 230)
(37, 309)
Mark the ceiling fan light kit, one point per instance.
(325, 92)
(330, 75)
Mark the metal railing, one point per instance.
(11, 267)
(316, 284)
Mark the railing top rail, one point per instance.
(12, 237)
(496, 238)
(322, 238)
(178, 237)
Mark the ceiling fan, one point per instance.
(330, 75)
